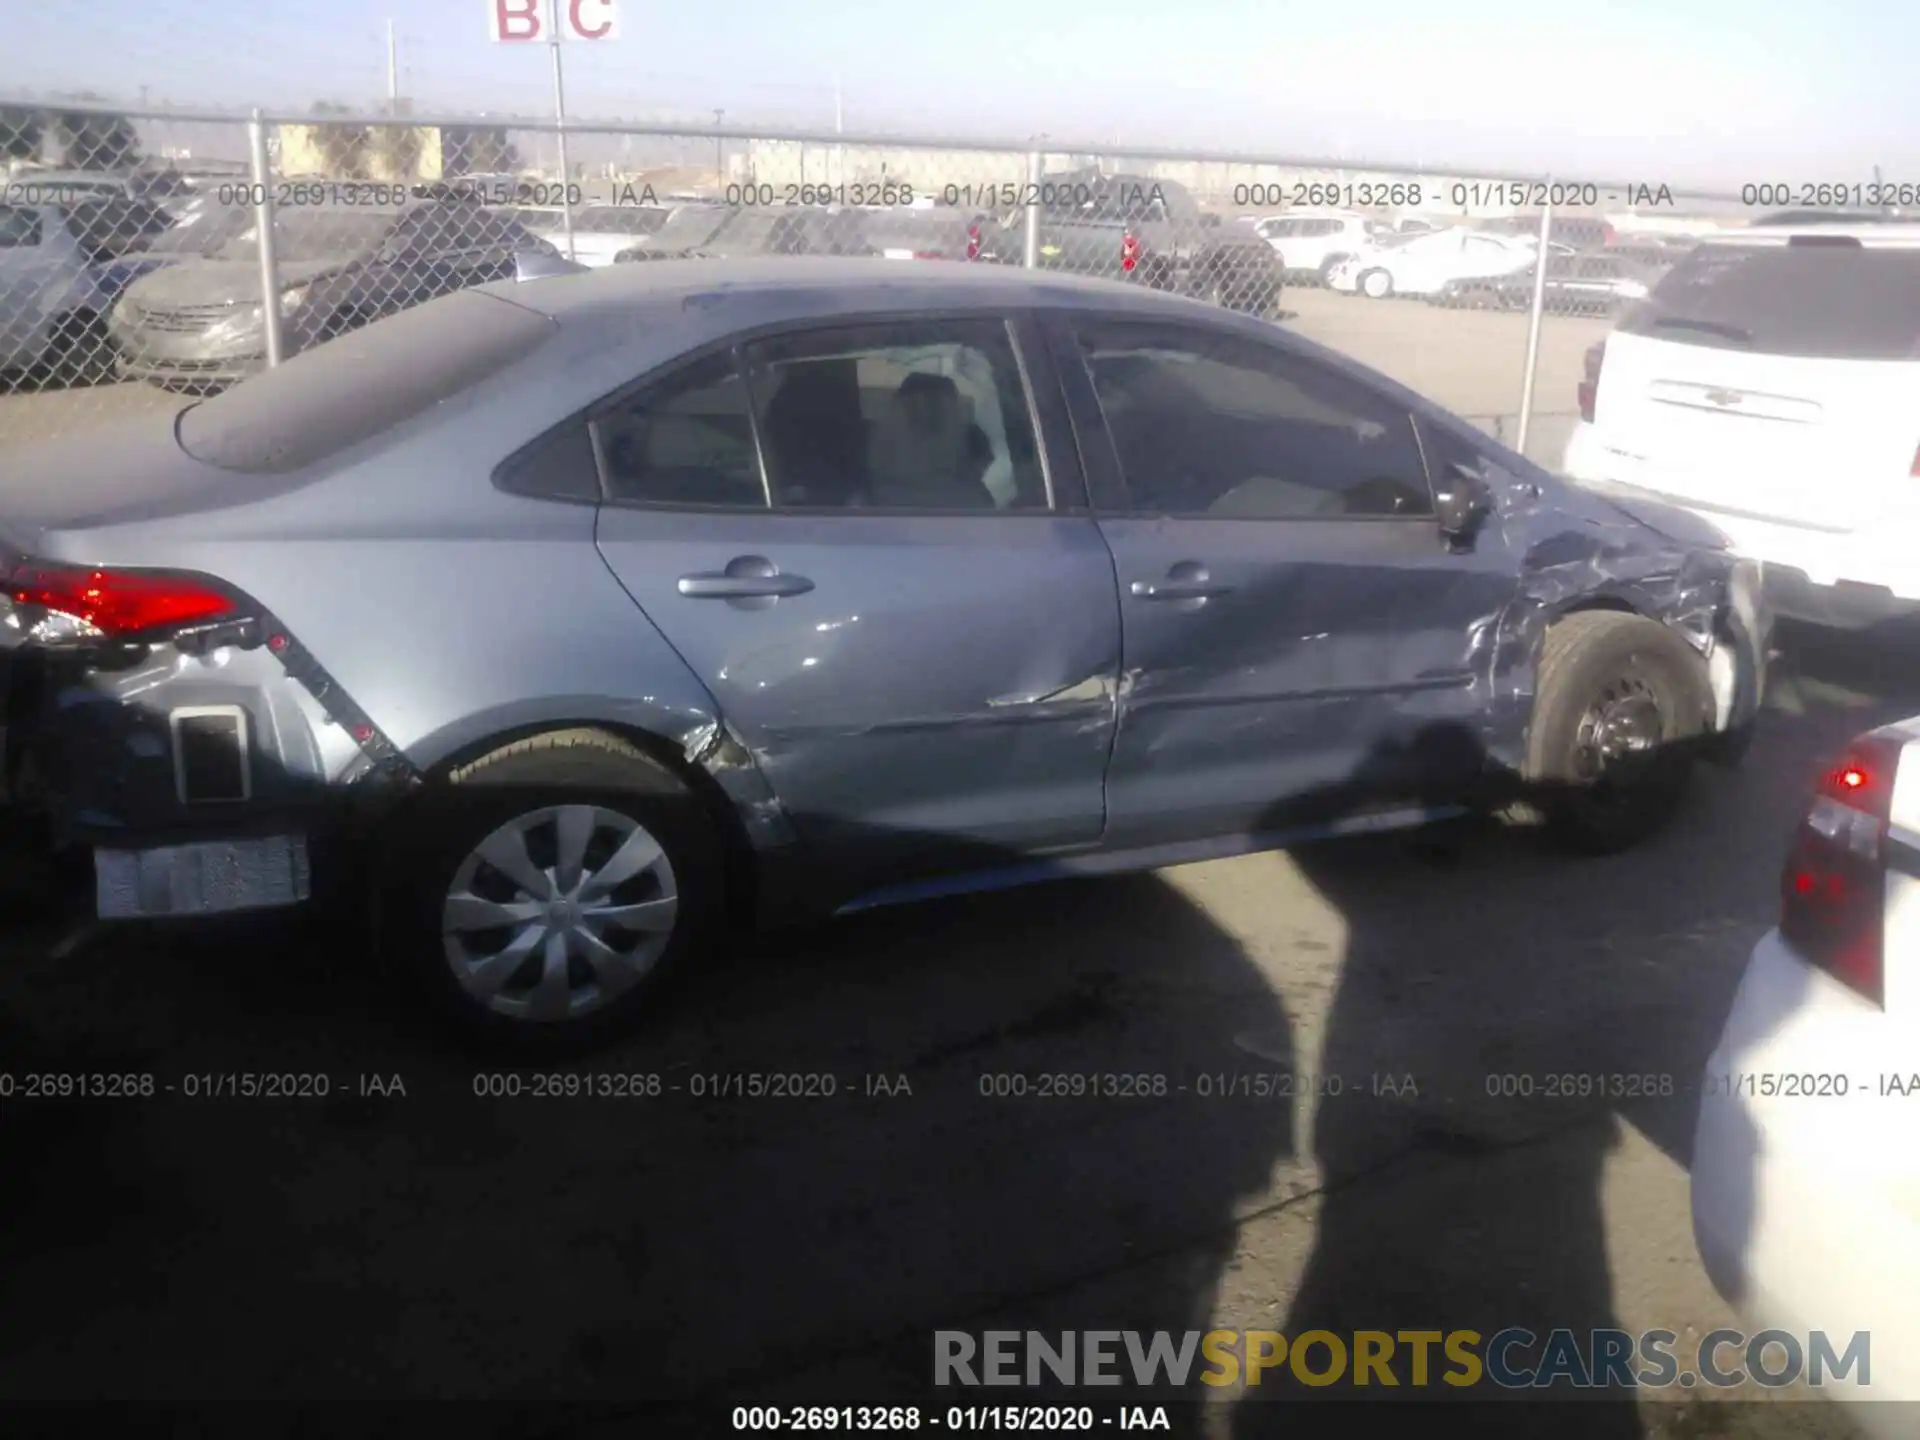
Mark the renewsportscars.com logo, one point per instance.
(1513, 1359)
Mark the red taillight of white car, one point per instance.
(973, 242)
(119, 604)
(1833, 889)
(1589, 388)
(1129, 250)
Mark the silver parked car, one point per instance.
(577, 616)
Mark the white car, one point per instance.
(1771, 384)
(1314, 241)
(1806, 1154)
(600, 232)
(1417, 264)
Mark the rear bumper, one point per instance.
(258, 811)
(1850, 579)
(156, 371)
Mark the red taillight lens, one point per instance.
(1609, 235)
(1913, 470)
(118, 602)
(1833, 889)
(1589, 388)
(973, 242)
(1129, 250)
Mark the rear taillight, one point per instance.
(1609, 235)
(118, 604)
(1833, 889)
(973, 242)
(1129, 250)
(1589, 388)
(1913, 470)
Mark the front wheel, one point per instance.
(1621, 706)
(542, 897)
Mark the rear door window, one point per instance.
(1822, 297)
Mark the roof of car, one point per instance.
(878, 285)
(1900, 233)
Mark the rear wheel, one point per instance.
(1376, 284)
(544, 897)
(1621, 704)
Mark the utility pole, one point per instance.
(392, 70)
(839, 127)
(719, 150)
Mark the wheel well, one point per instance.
(742, 873)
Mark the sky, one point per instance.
(1717, 93)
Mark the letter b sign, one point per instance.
(543, 21)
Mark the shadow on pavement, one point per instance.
(654, 1254)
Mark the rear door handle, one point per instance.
(747, 577)
(1186, 580)
(1178, 590)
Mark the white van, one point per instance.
(1771, 384)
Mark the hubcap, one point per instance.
(559, 912)
(1619, 732)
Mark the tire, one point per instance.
(1604, 671)
(622, 799)
(1375, 284)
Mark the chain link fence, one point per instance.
(146, 255)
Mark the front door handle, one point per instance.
(747, 577)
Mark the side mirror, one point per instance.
(1462, 505)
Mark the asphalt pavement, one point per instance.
(639, 1262)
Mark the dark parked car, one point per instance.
(1576, 284)
(576, 618)
(718, 232)
(1147, 231)
(202, 324)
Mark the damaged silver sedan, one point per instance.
(571, 621)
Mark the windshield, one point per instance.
(1825, 300)
(695, 225)
(303, 235)
(617, 219)
(202, 232)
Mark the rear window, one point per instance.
(1829, 301)
(359, 385)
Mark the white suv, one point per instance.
(1771, 384)
(1806, 1153)
(1312, 242)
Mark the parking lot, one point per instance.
(1471, 361)
(638, 1265)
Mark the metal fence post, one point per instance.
(263, 227)
(1030, 247)
(560, 130)
(1534, 316)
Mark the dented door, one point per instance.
(923, 691)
